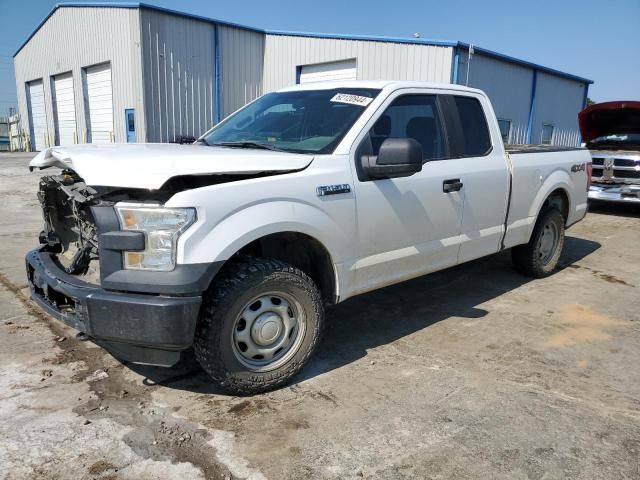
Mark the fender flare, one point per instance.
(557, 180)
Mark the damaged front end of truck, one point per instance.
(107, 263)
(77, 275)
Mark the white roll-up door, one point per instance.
(37, 115)
(64, 109)
(99, 100)
(322, 72)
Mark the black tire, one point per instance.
(216, 347)
(529, 259)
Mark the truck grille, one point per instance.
(610, 168)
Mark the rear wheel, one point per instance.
(539, 258)
(260, 323)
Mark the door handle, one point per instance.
(452, 185)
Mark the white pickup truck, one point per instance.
(303, 198)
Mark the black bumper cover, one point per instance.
(145, 329)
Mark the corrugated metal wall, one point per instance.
(163, 66)
(74, 38)
(508, 86)
(178, 55)
(242, 65)
(375, 60)
(558, 101)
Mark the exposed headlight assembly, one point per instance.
(162, 228)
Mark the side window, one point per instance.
(505, 129)
(412, 116)
(547, 134)
(477, 141)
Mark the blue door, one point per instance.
(130, 124)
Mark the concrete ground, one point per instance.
(475, 372)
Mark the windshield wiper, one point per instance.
(262, 146)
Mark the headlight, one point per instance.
(162, 227)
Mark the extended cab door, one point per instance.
(407, 226)
(477, 149)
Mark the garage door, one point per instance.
(37, 115)
(322, 72)
(99, 100)
(64, 109)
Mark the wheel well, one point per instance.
(301, 251)
(559, 200)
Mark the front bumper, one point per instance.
(139, 328)
(615, 193)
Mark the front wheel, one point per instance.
(539, 258)
(260, 323)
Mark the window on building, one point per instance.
(477, 141)
(547, 134)
(505, 129)
(412, 116)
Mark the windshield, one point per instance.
(626, 140)
(303, 121)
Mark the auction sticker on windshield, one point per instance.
(351, 99)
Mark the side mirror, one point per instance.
(398, 157)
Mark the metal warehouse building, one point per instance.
(134, 72)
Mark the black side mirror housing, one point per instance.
(398, 157)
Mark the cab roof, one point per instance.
(380, 85)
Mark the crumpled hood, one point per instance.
(609, 118)
(140, 165)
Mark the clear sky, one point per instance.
(591, 38)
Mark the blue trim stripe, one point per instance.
(217, 82)
(532, 105)
(336, 36)
(366, 38)
(456, 67)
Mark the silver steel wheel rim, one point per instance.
(548, 242)
(268, 331)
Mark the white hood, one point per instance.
(139, 165)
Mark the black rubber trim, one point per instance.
(141, 355)
(514, 149)
(155, 324)
(107, 221)
(186, 279)
(122, 240)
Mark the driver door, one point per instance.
(407, 226)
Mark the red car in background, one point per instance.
(611, 131)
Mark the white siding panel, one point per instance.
(99, 104)
(558, 102)
(375, 60)
(75, 38)
(323, 72)
(241, 67)
(178, 58)
(508, 87)
(37, 115)
(64, 109)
